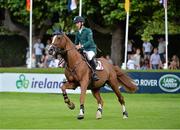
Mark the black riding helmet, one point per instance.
(78, 19)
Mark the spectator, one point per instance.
(147, 48)
(38, 50)
(33, 61)
(47, 46)
(41, 63)
(145, 64)
(131, 63)
(54, 63)
(174, 64)
(155, 60)
(48, 58)
(137, 58)
(162, 49)
(129, 48)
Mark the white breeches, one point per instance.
(90, 55)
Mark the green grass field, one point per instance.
(48, 111)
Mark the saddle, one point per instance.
(99, 65)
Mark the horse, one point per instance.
(78, 73)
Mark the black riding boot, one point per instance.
(93, 65)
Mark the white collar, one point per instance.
(80, 30)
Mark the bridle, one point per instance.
(63, 52)
(58, 50)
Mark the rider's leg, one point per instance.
(93, 65)
(92, 61)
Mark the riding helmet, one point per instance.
(78, 19)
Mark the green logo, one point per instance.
(169, 83)
(22, 82)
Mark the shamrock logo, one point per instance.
(22, 82)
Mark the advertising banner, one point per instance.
(38, 83)
(153, 82)
(147, 82)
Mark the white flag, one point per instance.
(72, 4)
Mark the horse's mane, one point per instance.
(73, 46)
(68, 39)
(83, 57)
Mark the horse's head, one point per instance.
(58, 43)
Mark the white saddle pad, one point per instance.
(99, 66)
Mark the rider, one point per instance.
(84, 39)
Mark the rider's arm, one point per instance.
(76, 39)
(89, 39)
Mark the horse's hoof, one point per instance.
(99, 114)
(71, 105)
(80, 117)
(125, 115)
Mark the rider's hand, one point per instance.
(78, 46)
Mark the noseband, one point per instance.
(59, 50)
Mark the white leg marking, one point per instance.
(123, 108)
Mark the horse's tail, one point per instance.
(125, 80)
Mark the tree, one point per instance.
(105, 16)
(45, 14)
(146, 19)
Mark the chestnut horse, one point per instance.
(78, 73)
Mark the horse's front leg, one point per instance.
(68, 85)
(83, 86)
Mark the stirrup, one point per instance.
(95, 77)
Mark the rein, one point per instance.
(61, 51)
(72, 70)
(64, 54)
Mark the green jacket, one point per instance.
(85, 38)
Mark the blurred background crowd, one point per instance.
(143, 57)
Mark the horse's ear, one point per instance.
(58, 32)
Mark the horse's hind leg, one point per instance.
(96, 94)
(65, 86)
(115, 86)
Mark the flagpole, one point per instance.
(30, 35)
(166, 36)
(80, 8)
(126, 40)
(166, 31)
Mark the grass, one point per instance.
(48, 111)
(61, 70)
(32, 70)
